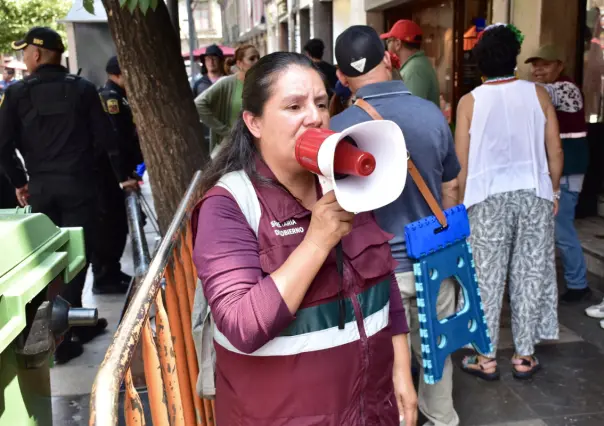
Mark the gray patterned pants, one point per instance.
(512, 240)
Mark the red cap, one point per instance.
(405, 30)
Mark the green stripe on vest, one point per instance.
(322, 317)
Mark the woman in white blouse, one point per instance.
(508, 144)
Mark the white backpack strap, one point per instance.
(240, 186)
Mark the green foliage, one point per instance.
(89, 6)
(18, 16)
(144, 5)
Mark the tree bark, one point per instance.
(174, 14)
(162, 102)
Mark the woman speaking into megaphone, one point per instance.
(309, 326)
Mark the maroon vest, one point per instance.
(348, 383)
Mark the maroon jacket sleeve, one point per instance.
(247, 307)
(397, 310)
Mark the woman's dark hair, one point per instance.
(238, 149)
(496, 52)
(315, 48)
(337, 104)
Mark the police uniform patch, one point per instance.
(113, 106)
(103, 102)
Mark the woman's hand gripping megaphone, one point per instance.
(329, 223)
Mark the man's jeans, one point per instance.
(567, 241)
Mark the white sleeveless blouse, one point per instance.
(507, 142)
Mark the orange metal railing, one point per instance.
(168, 353)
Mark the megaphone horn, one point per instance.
(365, 165)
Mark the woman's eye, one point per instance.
(294, 107)
(322, 106)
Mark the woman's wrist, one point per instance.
(402, 355)
(314, 248)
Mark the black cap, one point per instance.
(213, 50)
(43, 37)
(359, 50)
(113, 66)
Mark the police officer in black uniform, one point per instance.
(56, 120)
(112, 222)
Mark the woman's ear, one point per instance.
(253, 124)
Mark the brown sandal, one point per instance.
(533, 363)
(470, 363)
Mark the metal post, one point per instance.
(192, 40)
(140, 250)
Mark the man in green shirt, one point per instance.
(404, 39)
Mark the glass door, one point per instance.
(471, 17)
(435, 17)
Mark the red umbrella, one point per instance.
(226, 50)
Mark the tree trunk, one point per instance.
(162, 102)
(174, 15)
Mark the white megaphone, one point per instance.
(365, 165)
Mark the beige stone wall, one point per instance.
(542, 22)
(559, 25)
(526, 15)
(72, 47)
(500, 11)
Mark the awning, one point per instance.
(226, 50)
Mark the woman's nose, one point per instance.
(313, 118)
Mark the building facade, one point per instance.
(207, 15)
(244, 22)
(450, 28)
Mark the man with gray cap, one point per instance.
(366, 69)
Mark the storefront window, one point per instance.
(438, 19)
(593, 62)
(437, 25)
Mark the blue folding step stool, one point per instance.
(439, 247)
(441, 255)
